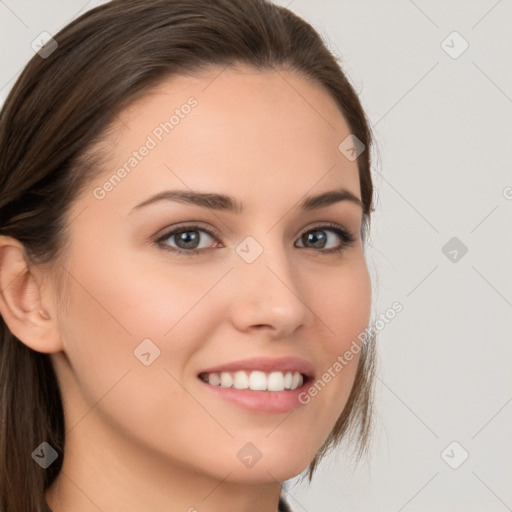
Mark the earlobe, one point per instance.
(21, 300)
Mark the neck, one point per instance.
(103, 471)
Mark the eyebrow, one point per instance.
(233, 205)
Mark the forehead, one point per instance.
(242, 131)
(244, 86)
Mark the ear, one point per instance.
(25, 309)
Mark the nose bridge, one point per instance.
(270, 293)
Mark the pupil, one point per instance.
(317, 238)
(185, 239)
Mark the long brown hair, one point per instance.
(50, 127)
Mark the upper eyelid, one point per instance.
(191, 225)
(167, 232)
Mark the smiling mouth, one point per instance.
(255, 380)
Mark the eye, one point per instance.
(187, 239)
(194, 239)
(318, 238)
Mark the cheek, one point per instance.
(344, 306)
(116, 303)
(344, 309)
(109, 315)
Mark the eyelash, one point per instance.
(347, 238)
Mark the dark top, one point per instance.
(283, 505)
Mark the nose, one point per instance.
(270, 294)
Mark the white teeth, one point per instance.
(226, 381)
(255, 380)
(240, 380)
(296, 380)
(214, 379)
(275, 381)
(258, 381)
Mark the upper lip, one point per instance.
(265, 364)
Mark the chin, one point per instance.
(277, 466)
(264, 475)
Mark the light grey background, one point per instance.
(442, 170)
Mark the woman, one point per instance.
(185, 198)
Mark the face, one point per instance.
(162, 292)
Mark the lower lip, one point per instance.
(264, 402)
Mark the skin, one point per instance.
(149, 438)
